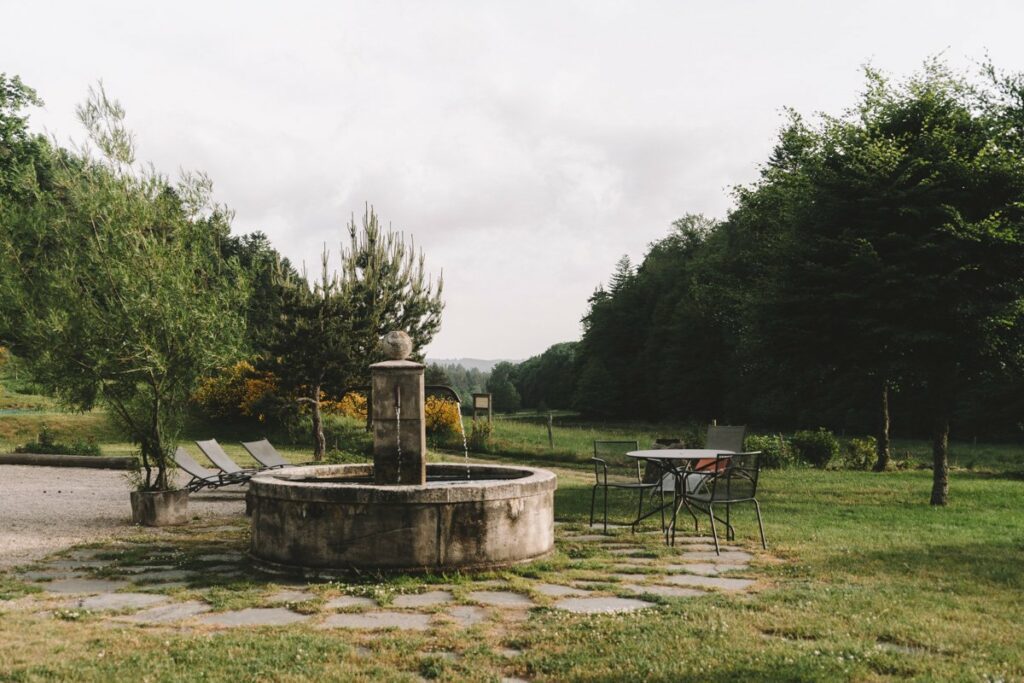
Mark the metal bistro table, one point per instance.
(678, 462)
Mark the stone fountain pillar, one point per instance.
(399, 431)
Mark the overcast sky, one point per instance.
(525, 145)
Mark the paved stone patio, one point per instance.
(169, 582)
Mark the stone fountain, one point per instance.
(400, 513)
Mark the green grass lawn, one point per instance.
(863, 580)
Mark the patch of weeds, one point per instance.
(72, 614)
(240, 596)
(13, 588)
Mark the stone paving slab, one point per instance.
(709, 582)
(372, 621)
(170, 585)
(166, 575)
(119, 601)
(500, 598)
(254, 616)
(428, 599)
(667, 591)
(703, 568)
(727, 557)
(630, 576)
(600, 538)
(291, 596)
(144, 568)
(79, 565)
(71, 586)
(220, 557)
(601, 605)
(47, 575)
(166, 614)
(555, 590)
(468, 615)
(347, 601)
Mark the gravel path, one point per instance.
(45, 509)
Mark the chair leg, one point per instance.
(714, 531)
(760, 525)
(593, 497)
(605, 509)
(663, 510)
(730, 534)
(639, 513)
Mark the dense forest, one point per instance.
(875, 268)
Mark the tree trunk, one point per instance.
(883, 430)
(319, 442)
(940, 462)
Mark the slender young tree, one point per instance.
(328, 331)
(118, 287)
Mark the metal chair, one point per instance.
(613, 469)
(732, 479)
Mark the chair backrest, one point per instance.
(614, 454)
(736, 477)
(212, 450)
(264, 453)
(189, 465)
(726, 438)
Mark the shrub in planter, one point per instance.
(818, 448)
(775, 450)
(860, 454)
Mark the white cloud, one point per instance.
(526, 146)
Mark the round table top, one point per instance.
(678, 453)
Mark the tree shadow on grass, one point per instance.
(974, 567)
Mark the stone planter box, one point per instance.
(159, 508)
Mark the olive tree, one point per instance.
(120, 296)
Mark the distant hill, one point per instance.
(468, 363)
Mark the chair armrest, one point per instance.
(600, 466)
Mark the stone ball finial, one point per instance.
(397, 345)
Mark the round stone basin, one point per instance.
(323, 520)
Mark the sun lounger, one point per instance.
(265, 454)
(203, 477)
(212, 450)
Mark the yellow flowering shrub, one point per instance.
(441, 417)
(235, 391)
(352, 404)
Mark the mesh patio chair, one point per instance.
(613, 469)
(203, 477)
(213, 450)
(719, 438)
(731, 480)
(265, 454)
